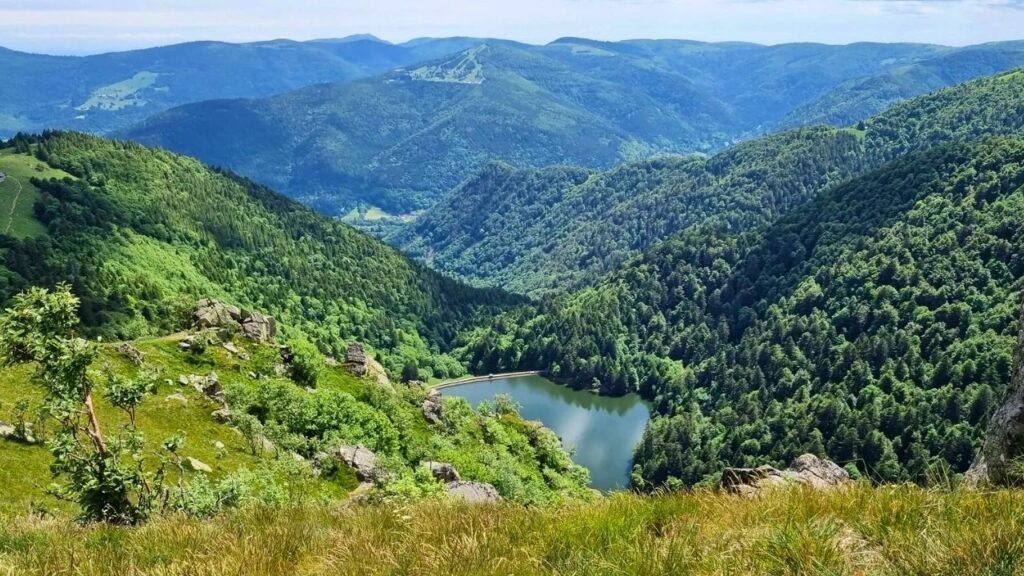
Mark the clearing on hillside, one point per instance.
(18, 195)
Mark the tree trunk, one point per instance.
(94, 427)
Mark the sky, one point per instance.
(90, 26)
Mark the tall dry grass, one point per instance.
(860, 530)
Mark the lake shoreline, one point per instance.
(601, 432)
(475, 379)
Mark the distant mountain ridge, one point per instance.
(400, 140)
(105, 92)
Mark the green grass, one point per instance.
(856, 531)
(18, 195)
(120, 95)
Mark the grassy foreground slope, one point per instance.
(861, 531)
(558, 228)
(141, 234)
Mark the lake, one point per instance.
(601, 432)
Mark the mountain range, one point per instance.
(400, 140)
(550, 229)
(106, 92)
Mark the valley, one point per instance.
(475, 305)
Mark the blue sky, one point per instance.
(85, 26)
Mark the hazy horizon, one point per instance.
(66, 27)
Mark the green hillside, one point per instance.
(142, 234)
(875, 324)
(538, 231)
(523, 462)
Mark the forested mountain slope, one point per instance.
(855, 100)
(876, 324)
(536, 231)
(141, 234)
(105, 92)
(399, 141)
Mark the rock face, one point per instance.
(258, 327)
(444, 472)
(355, 359)
(473, 492)
(361, 364)
(807, 470)
(1004, 440)
(214, 314)
(433, 407)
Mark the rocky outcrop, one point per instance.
(258, 327)
(473, 492)
(433, 407)
(807, 470)
(1003, 447)
(361, 459)
(359, 363)
(213, 314)
(355, 359)
(443, 471)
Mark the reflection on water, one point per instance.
(601, 431)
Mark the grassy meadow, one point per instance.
(857, 531)
(18, 195)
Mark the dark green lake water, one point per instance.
(601, 431)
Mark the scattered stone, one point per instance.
(444, 472)
(183, 380)
(807, 470)
(7, 431)
(134, 355)
(221, 416)
(177, 398)
(433, 407)
(235, 350)
(218, 445)
(473, 492)
(198, 465)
